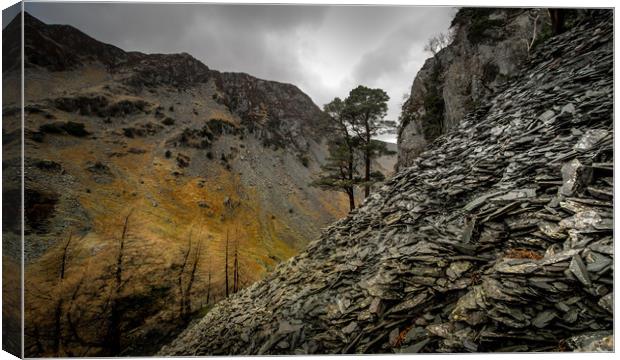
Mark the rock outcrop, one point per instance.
(497, 238)
(488, 47)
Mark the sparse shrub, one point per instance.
(168, 121)
(490, 71)
(220, 126)
(52, 128)
(129, 132)
(134, 150)
(70, 127)
(434, 106)
(33, 109)
(171, 108)
(182, 160)
(168, 154)
(48, 165)
(75, 129)
(480, 24)
(545, 34)
(99, 167)
(37, 136)
(125, 107)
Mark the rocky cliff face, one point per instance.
(497, 238)
(487, 49)
(203, 163)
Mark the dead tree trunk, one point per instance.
(226, 264)
(59, 303)
(181, 271)
(209, 288)
(63, 261)
(367, 156)
(190, 282)
(114, 330)
(236, 267)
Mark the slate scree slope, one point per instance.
(498, 237)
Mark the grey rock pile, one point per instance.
(498, 238)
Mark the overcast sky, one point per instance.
(324, 50)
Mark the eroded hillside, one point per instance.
(497, 238)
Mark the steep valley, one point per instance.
(193, 174)
(169, 211)
(496, 237)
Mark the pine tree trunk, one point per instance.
(367, 159)
(351, 194)
(367, 174)
(350, 189)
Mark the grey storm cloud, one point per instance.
(324, 50)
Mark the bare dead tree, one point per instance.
(236, 265)
(66, 339)
(438, 42)
(192, 278)
(57, 337)
(209, 287)
(226, 263)
(63, 261)
(91, 323)
(113, 336)
(530, 32)
(181, 272)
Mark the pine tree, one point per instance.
(339, 172)
(366, 109)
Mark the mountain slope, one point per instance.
(497, 238)
(191, 162)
